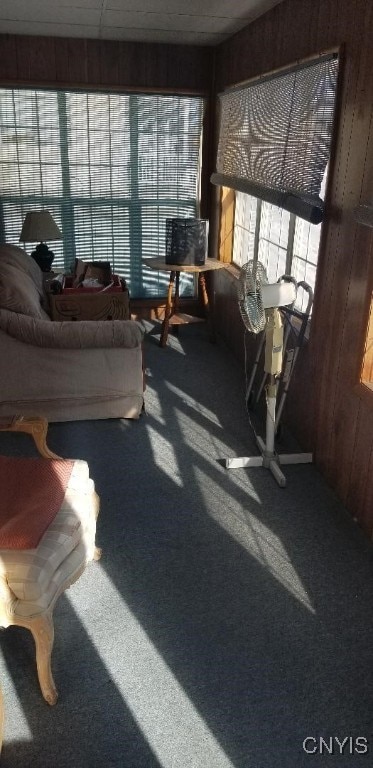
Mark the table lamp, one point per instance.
(40, 225)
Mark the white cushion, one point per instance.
(69, 569)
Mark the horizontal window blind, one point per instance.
(275, 136)
(111, 168)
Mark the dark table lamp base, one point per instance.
(43, 257)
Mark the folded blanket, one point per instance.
(32, 491)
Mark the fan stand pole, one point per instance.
(267, 448)
(269, 458)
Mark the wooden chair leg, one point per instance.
(42, 629)
(36, 426)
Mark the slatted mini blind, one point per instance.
(275, 136)
(111, 168)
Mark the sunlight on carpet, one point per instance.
(164, 713)
(164, 455)
(253, 535)
(153, 402)
(194, 404)
(198, 436)
(16, 728)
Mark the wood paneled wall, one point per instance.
(331, 411)
(106, 63)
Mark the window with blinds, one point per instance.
(275, 136)
(111, 168)
(281, 241)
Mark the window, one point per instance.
(284, 243)
(110, 167)
(274, 144)
(275, 135)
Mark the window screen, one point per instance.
(275, 136)
(111, 168)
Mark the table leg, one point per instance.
(176, 302)
(168, 311)
(206, 305)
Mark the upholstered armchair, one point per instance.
(48, 512)
(70, 370)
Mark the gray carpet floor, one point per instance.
(228, 619)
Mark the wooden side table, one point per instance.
(37, 426)
(172, 315)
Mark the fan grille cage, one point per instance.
(249, 290)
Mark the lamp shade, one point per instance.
(39, 225)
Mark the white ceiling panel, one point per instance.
(18, 10)
(197, 22)
(161, 36)
(38, 6)
(233, 8)
(47, 30)
(96, 4)
(171, 21)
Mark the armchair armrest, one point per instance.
(82, 334)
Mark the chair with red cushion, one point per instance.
(48, 513)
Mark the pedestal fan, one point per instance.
(259, 304)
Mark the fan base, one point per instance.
(270, 461)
